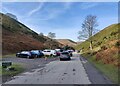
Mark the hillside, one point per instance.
(16, 37)
(108, 34)
(66, 42)
(105, 54)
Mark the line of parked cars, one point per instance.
(30, 54)
(63, 54)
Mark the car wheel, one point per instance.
(60, 59)
(36, 56)
(51, 55)
(28, 57)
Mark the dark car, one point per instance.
(36, 53)
(24, 54)
(65, 56)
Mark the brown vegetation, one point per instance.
(109, 55)
(14, 42)
(67, 42)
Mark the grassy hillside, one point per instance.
(16, 37)
(108, 34)
(66, 42)
(105, 54)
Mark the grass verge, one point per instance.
(18, 69)
(11, 55)
(108, 70)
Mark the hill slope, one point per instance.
(16, 37)
(110, 33)
(66, 42)
(106, 51)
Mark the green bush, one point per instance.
(99, 43)
(117, 44)
(104, 47)
(113, 33)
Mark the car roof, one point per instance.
(65, 52)
(25, 52)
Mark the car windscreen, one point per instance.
(65, 53)
(37, 52)
(46, 51)
(25, 52)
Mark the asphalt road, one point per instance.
(76, 71)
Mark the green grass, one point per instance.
(109, 33)
(99, 40)
(10, 55)
(18, 69)
(107, 69)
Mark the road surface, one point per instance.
(62, 72)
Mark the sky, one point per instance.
(63, 18)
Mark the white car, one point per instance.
(49, 52)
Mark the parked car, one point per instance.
(49, 52)
(24, 54)
(37, 53)
(65, 56)
(70, 52)
(58, 53)
(58, 50)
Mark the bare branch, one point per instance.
(88, 27)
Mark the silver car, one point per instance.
(65, 56)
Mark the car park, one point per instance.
(65, 56)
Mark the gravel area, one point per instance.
(27, 64)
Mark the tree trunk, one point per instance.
(90, 45)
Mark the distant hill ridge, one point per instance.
(67, 42)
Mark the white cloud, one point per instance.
(36, 9)
(55, 12)
(88, 5)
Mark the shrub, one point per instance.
(89, 53)
(113, 33)
(94, 53)
(117, 44)
(104, 38)
(103, 47)
(99, 43)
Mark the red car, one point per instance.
(57, 53)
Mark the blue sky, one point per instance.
(62, 18)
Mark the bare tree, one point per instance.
(51, 35)
(41, 34)
(88, 28)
